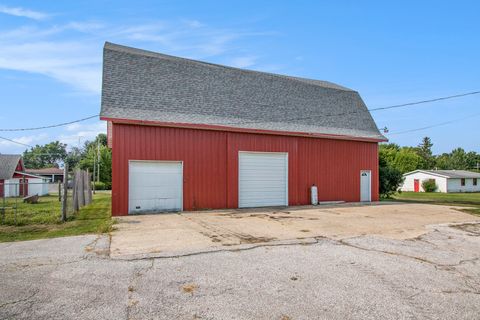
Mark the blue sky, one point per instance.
(51, 51)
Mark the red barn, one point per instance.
(189, 135)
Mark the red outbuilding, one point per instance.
(191, 135)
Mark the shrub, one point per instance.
(429, 185)
(390, 180)
(99, 185)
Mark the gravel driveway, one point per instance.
(433, 276)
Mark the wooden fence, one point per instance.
(81, 189)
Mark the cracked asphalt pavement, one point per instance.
(433, 276)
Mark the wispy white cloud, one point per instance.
(71, 52)
(74, 63)
(22, 12)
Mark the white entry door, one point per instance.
(263, 179)
(365, 186)
(155, 186)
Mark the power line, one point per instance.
(436, 125)
(265, 105)
(27, 145)
(23, 144)
(51, 126)
(425, 101)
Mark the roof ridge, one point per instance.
(148, 53)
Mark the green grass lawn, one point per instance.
(42, 220)
(470, 200)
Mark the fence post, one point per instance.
(59, 191)
(88, 188)
(65, 192)
(3, 196)
(81, 188)
(75, 191)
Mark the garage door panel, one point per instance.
(154, 193)
(259, 182)
(263, 192)
(149, 167)
(155, 186)
(264, 203)
(154, 177)
(266, 189)
(263, 179)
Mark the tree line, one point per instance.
(394, 161)
(55, 153)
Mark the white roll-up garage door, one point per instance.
(263, 179)
(155, 186)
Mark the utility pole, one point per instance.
(65, 192)
(98, 161)
(93, 180)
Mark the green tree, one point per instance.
(44, 156)
(73, 157)
(407, 159)
(100, 153)
(390, 177)
(424, 150)
(458, 159)
(388, 152)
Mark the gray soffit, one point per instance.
(147, 86)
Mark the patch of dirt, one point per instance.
(189, 288)
(252, 239)
(469, 227)
(285, 217)
(286, 212)
(258, 215)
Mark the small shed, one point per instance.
(446, 180)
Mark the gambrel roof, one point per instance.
(148, 86)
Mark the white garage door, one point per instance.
(263, 179)
(155, 186)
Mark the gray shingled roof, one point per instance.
(8, 163)
(451, 174)
(143, 85)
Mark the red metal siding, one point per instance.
(210, 162)
(202, 153)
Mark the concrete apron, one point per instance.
(190, 233)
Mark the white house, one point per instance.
(446, 180)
